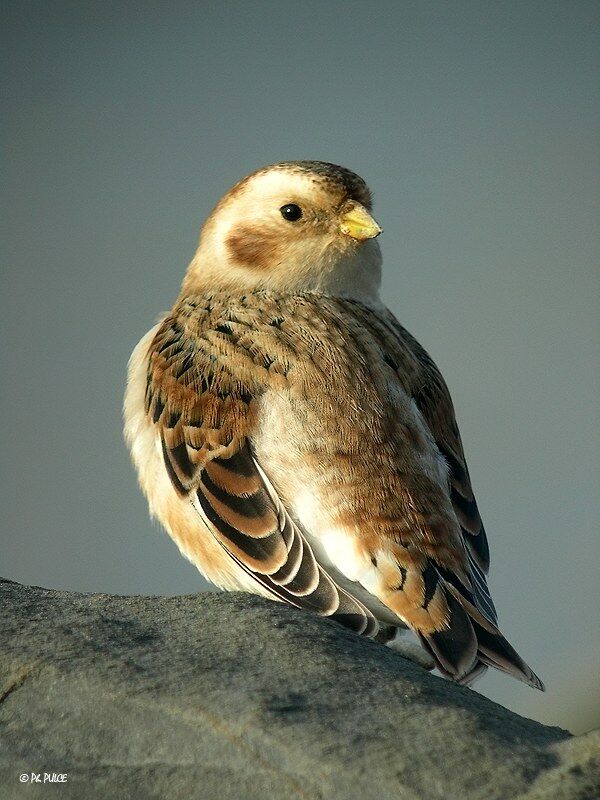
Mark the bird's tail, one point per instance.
(471, 643)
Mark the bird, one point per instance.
(297, 442)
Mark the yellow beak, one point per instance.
(358, 223)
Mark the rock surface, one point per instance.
(230, 696)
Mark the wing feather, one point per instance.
(464, 638)
(202, 390)
(205, 419)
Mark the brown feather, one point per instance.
(370, 427)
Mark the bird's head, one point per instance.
(299, 226)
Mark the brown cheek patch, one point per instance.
(254, 247)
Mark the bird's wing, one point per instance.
(203, 387)
(470, 633)
(433, 400)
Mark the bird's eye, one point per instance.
(291, 212)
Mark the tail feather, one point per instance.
(471, 643)
(495, 651)
(454, 649)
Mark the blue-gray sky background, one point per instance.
(476, 125)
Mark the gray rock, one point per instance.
(231, 696)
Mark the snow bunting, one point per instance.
(297, 442)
